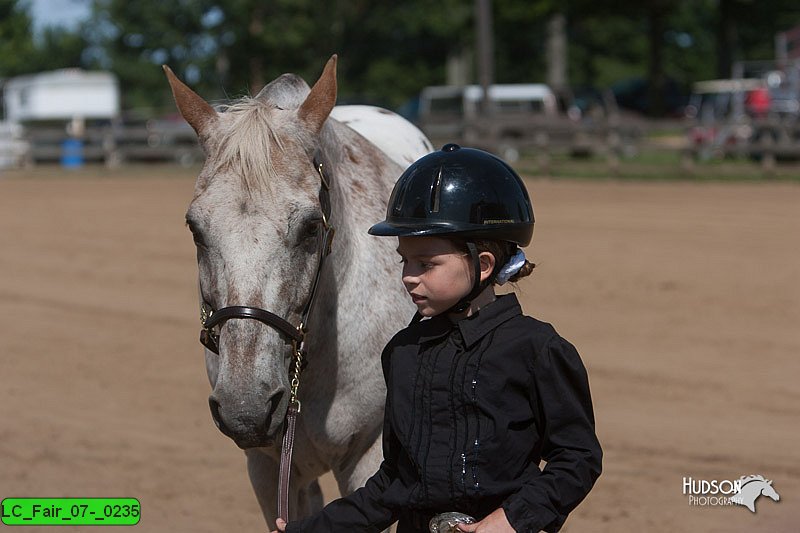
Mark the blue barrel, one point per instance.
(72, 153)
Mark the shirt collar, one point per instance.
(475, 327)
(433, 328)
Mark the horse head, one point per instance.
(769, 491)
(751, 487)
(256, 217)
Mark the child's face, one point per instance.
(435, 273)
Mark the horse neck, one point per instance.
(361, 179)
(752, 489)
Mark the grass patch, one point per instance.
(655, 165)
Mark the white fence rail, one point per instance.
(13, 147)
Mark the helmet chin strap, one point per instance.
(477, 287)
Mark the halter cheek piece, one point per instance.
(209, 337)
(211, 318)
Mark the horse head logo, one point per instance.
(751, 487)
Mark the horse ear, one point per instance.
(319, 102)
(194, 109)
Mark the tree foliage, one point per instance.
(134, 39)
(22, 52)
(390, 50)
(17, 49)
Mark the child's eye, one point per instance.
(422, 264)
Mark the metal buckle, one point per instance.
(209, 340)
(322, 176)
(448, 522)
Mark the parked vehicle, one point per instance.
(718, 113)
(522, 116)
(62, 95)
(753, 117)
(446, 110)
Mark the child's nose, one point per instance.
(409, 276)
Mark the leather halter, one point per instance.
(211, 318)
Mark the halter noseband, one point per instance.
(211, 318)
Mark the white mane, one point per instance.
(247, 143)
(754, 477)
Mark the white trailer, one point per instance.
(68, 94)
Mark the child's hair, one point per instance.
(502, 252)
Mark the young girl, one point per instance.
(478, 394)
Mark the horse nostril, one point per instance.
(272, 406)
(213, 404)
(273, 403)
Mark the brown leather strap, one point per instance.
(241, 311)
(286, 463)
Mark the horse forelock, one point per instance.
(249, 140)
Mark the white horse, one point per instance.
(255, 217)
(751, 487)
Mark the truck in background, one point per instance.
(520, 117)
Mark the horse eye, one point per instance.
(197, 235)
(311, 229)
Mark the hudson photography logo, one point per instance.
(723, 492)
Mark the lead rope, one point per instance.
(288, 437)
(287, 446)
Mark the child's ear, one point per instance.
(487, 261)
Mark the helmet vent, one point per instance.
(436, 192)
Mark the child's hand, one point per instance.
(494, 523)
(280, 526)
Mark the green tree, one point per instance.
(22, 52)
(746, 30)
(17, 49)
(520, 30)
(60, 48)
(257, 41)
(133, 39)
(389, 51)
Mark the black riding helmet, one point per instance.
(464, 193)
(459, 191)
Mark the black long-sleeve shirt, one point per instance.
(472, 409)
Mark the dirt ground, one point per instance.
(683, 299)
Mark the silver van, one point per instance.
(445, 110)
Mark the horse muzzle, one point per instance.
(255, 427)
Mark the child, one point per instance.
(477, 393)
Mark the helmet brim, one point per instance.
(520, 233)
(392, 229)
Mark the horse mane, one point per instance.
(248, 142)
(755, 477)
